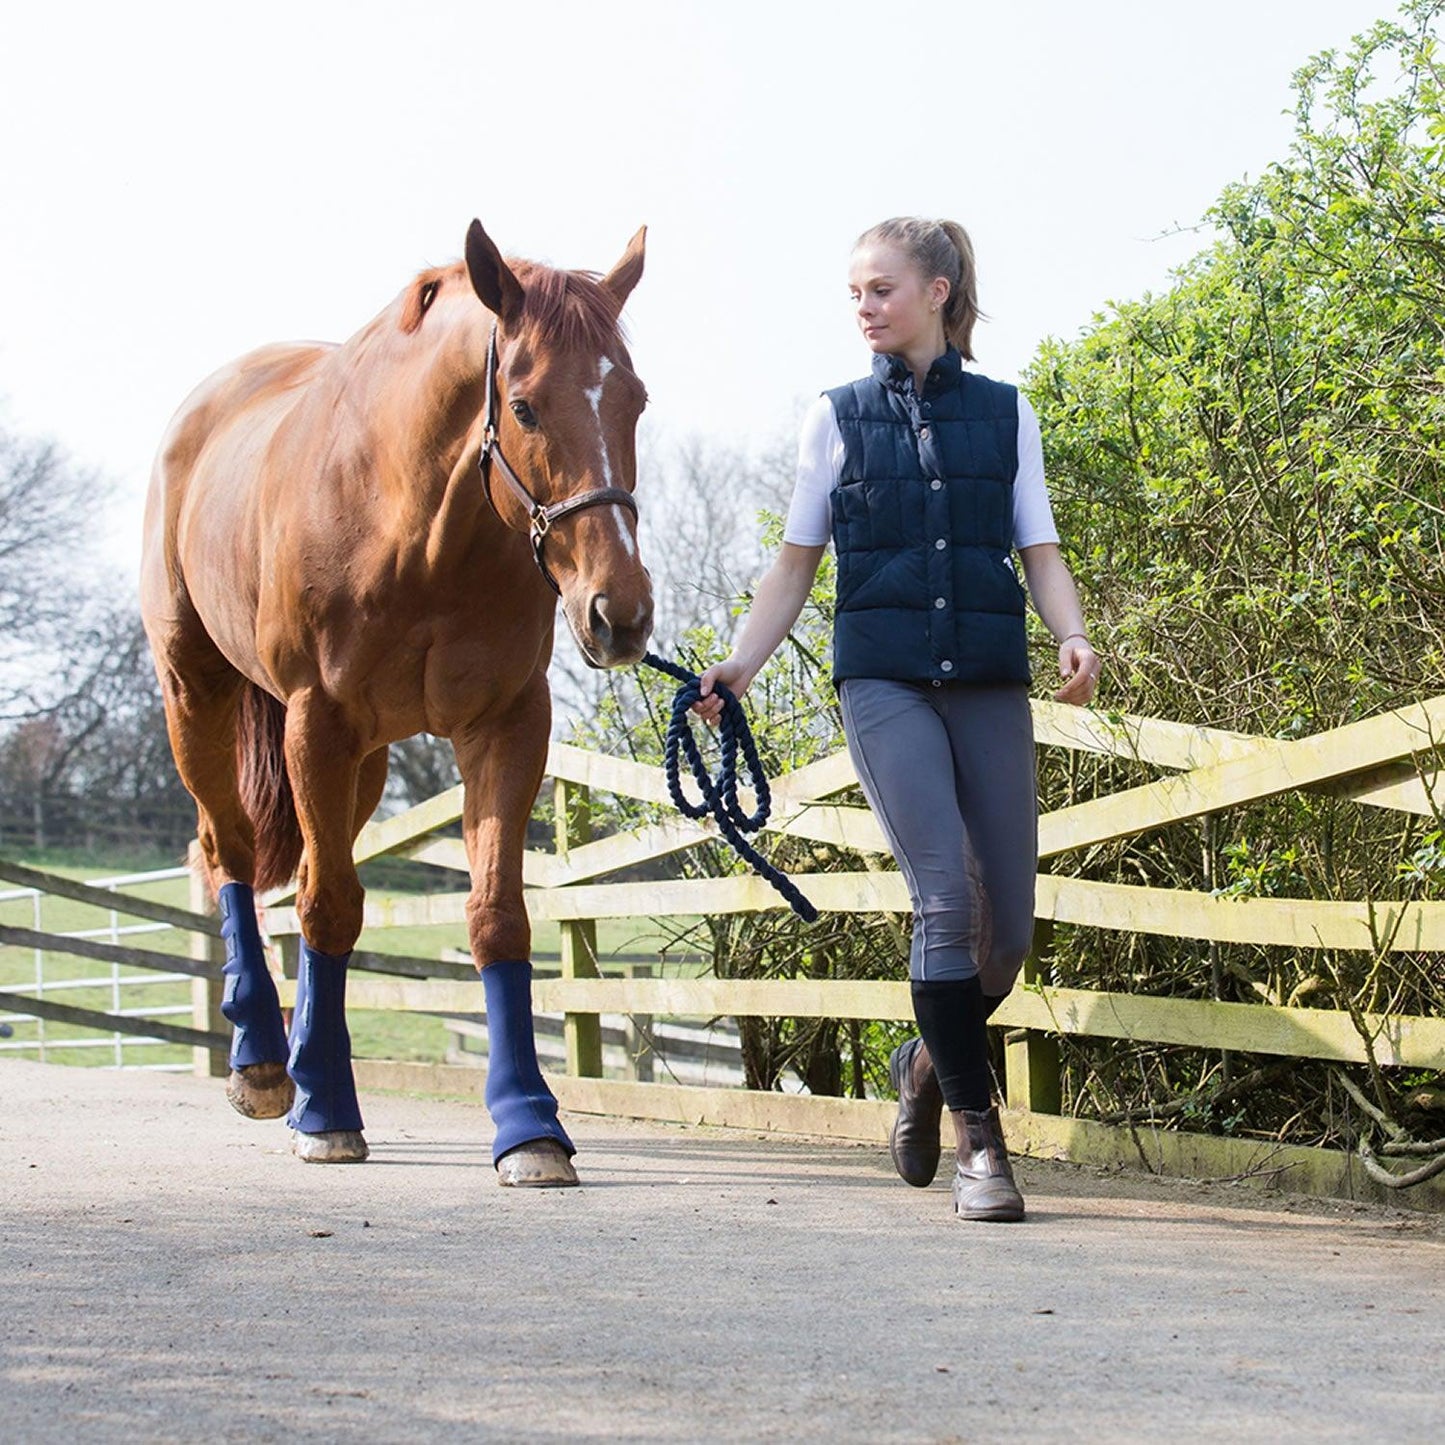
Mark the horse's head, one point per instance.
(560, 451)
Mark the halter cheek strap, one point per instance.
(540, 516)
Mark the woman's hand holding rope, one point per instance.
(720, 795)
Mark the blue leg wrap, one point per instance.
(249, 1000)
(320, 1062)
(521, 1105)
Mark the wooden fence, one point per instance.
(1388, 761)
(209, 1038)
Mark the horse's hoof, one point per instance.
(337, 1146)
(261, 1091)
(542, 1164)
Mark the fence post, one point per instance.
(637, 1032)
(582, 1032)
(1032, 1058)
(206, 992)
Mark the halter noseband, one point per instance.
(540, 516)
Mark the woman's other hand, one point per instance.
(1057, 601)
(1079, 666)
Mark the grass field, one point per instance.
(374, 1034)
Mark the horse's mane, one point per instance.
(570, 307)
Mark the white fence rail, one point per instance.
(54, 974)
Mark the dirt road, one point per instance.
(170, 1272)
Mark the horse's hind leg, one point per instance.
(201, 701)
(331, 782)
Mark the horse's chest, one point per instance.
(469, 677)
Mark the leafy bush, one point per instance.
(1247, 473)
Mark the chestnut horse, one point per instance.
(342, 549)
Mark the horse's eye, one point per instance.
(526, 417)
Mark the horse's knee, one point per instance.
(331, 914)
(498, 931)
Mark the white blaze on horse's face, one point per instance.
(593, 553)
(594, 393)
(594, 399)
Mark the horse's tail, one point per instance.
(266, 787)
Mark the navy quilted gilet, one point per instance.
(923, 527)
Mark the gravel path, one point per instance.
(170, 1272)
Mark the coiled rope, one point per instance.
(720, 794)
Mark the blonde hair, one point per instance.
(937, 248)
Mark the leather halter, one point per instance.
(541, 516)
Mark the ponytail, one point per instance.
(960, 311)
(937, 248)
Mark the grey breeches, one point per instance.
(949, 772)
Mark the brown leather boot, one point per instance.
(913, 1141)
(983, 1187)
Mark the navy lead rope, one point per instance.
(720, 795)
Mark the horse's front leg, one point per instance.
(502, 762)
(324, 762)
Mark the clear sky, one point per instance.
(183, 182)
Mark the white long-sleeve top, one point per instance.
(820, 464)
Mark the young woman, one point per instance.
(926, 477)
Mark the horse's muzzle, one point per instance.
(615, 635)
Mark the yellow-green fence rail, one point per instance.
(1389, 761)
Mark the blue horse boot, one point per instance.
(531, 1148)
(326, 1115)
(258, 1086)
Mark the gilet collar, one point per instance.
(893, 372)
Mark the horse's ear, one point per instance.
(492, 278)
(620, 280)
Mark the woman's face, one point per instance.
(897, 310)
